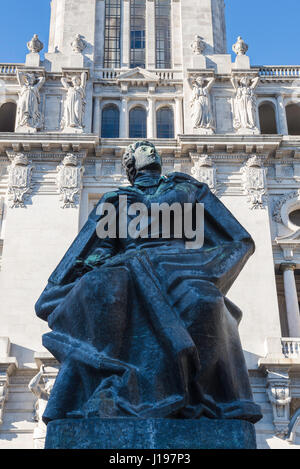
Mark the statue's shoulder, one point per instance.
(108, 197)
(183, 178)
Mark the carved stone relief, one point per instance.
(29, 118)
(244, 105)
(74, 104)
(204, 171)
(254, 182)
(69, 180)
(35, 45)
(19, 180)
(279, 395)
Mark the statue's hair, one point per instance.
(129, 159)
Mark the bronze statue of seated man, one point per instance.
(141, 326)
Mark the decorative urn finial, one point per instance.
(35, 45)
(198, 45)
(240, 47)
(78, 44)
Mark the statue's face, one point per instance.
(29, 80)
(200, 81)
(76, 81)
(146, 157)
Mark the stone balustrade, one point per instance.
(291, 347)
(8, 69)
(279, 71)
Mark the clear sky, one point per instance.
(270, 27)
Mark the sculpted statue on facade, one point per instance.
(69, 180)
(202, 114)
(240, 47)
(244, 105)
(198, 45)
(35, 45)
(78, 44)
(19, 180)
(28, 114)
(141, 325)
(41, 386)
(74, 105)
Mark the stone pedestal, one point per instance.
(129, 433)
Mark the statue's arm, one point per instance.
(255, 83)
(34, 385)
(65, 83)
(40, 83)
(210, 84)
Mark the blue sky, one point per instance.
(270, 27)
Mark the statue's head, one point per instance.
(200, 81)
(29, 79)
(76, 80)
(245, 81)
(140, 156)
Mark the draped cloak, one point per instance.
(150, 332)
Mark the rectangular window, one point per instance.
(138, 33)
(163, 33)
(112, 41)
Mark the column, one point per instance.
(151, 120)
(97, 116)
(178, 117)
(281, 112)
(124, 118)
(125, 34)
(150, 34)
(291, 299)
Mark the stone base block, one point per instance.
(129, 433)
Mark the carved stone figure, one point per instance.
(19, 180)
(240, 47)
(35, 45)
(141, 325)
(244, 105)
(254, 182)
(78, 45)
(3, 394)
(204, 171)
(202, 115)
(41, 386)
(28, 114)
(198, 45)
(74, 105)
(69, 180)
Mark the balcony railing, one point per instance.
(279, 71)
(162, 74)
(8, 69)
(291, 347)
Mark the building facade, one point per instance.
(123, 70)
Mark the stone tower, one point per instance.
(205, 18)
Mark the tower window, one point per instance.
(110, 122)
(293, 118)
(165, 123)
(112, 41)
(267, 119)
(163, 33)
(8, 117)
(137, 123)
(138, 33)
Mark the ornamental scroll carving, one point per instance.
(19, 180)
(69, 180)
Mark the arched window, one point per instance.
(267, 118)
(165, 123)
(110, 122)
(137, 123)
(293, 118)
(8, 117)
